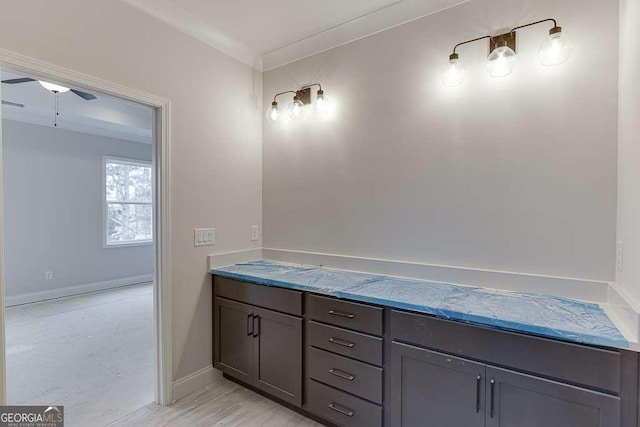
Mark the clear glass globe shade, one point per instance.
(555, 50)
(53, 87)
(296, 109)
(501, 61)
(453, 74)
(273, 114)
(323, 107)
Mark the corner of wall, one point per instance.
(624, 310)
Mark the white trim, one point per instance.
(581, 289)
(162, 226)
(3, 373)
(76, 290)
(366, 25)
(194, 382)
(230, 258)
(105, 203)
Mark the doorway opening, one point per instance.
(58, 309)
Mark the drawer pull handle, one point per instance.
(341, 409)
(342, 314)
(341, 374)
(343, 343)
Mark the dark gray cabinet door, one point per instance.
(278, 355)
(233, 345)
(519, 400)
(435, 390)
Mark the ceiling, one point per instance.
(106, 116)
(269, 33)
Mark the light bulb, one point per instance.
(501, 61)
(272, 113)
(453, 75)
(53, 87)
(556, 49)
(322, 104)
(296, 108)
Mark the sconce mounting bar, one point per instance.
(282, 93)
(508, 39)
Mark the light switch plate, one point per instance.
(254, 233)
(204, 236)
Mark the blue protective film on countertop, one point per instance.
(536, 314)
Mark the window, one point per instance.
(128, 210)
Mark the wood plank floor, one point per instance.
(92, 353)
(223, 403)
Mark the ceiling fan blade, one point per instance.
(12, 104)
(84, 95)
(19, 80)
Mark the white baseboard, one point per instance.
(75, 290)
(585, 290)
(624, 311)
(194, 382)
(230, 258)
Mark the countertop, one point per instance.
(533, 314)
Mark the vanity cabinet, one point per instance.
(458, 392)
(260, 347)
(445, 390)
(353, 364)
(520, 400)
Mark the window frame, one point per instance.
(105, 203)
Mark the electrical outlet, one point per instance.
(204, 236)
(48, 275)
(619, 256)
(254, 232)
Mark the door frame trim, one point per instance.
(162, 196)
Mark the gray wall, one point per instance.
(515, 174)
(216, 133)
(54, 211)
(629, 148)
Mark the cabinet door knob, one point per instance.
(343, 343)
(341, 374)
(341, 409)
(342, 314)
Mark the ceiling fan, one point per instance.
(51, 87)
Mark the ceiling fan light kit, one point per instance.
(54, 88)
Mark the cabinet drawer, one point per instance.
(341, 408)
(348, 343)
(349, 375)
(278, 299)
(577, 364)
(360, 317)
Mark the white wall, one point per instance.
(216, 128)
(629, 148)
(515, 174)
(53, 210)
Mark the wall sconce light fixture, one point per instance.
(555, 50)
(301, 98)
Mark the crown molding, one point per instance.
(363, 26)
(182, 20)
